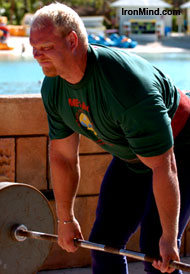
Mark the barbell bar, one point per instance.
(24, 211)
(21, 233)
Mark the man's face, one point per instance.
(50, 50)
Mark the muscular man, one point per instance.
(132, 110)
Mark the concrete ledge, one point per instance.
(22, 115)
(25, 115)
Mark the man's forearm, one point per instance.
(167, 196)
(166, 190)
(65, 177)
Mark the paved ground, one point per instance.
(134, 268)
(174, 43)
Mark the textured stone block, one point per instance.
(22, 115)
(93, 168)
(31, 159)
(85, 208)
(7, 159)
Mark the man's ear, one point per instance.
(72, 40)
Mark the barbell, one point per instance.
(25, 212)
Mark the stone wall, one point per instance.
(24, 159)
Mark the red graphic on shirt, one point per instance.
(74, 102)
(84, 120)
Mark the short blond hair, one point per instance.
(63, 18)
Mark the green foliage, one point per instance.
(176, 3)
(174, 24)
(16, 9)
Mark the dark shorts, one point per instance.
(126, 202)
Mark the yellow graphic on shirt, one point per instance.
(84, 120)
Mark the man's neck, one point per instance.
(77, 68)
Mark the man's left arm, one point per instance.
(167, 197)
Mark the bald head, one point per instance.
(63, 18)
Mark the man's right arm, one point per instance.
(65, 174)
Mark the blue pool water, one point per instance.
(174, 65)
(24, 75)
(19, 76)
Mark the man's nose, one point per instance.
(37, 53)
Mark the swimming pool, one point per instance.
(174, 65)
(19, 76)
(23, 75)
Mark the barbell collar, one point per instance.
(21, 233)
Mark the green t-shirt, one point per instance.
(122, 103)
